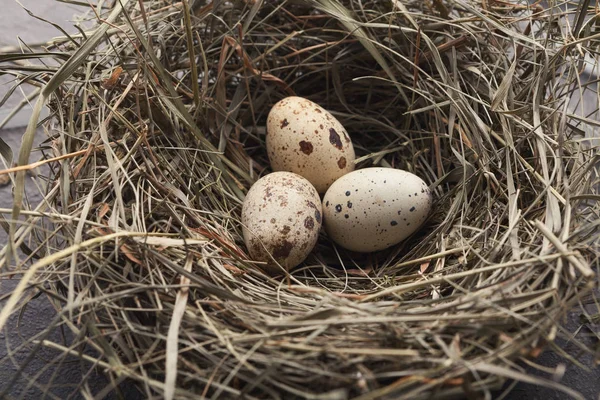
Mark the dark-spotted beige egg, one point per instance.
(281, 218)
(304, 138)
(375, 208)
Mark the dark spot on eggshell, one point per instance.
(309, 223)
(346, 137)
(306, 147)
(393, 223)
(334, 138)
(342, 162)
(318, 216)
(338, 207)
(286, 229)
(283, 249)
(273, 220)
(347, 193)
(327, 203)
(321, 126)
(311, 204)
(318, 110)
(412, 209)
(284, 123)
(283, 201)
(346, 216)
(349, 204)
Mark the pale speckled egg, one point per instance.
(281, 219)
(374, 208)
(304, 138)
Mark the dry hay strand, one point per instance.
(157, 131)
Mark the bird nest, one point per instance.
(157, 131)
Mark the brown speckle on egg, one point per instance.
(284, 123)
(309, 223)
(341, 163)
(283, 249)
(306, 147)
(334, 138)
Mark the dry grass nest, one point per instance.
(157, 131)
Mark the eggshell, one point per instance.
(374, 208)
(304, 138)
(281, 218)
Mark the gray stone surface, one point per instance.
(586, 381)
(18, 28)
(16, 23)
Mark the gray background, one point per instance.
(17, 27)
(63, 383)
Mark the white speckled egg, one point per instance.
(374, 208)
(281, 218)
(304, 138)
